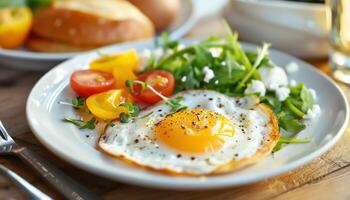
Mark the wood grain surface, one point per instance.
(327, 177)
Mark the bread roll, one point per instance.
(35, 43)
(161, 12)
(92, 22)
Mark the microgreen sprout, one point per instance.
(174, 103)
(81, 124)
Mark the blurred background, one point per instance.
(38, 34)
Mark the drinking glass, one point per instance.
(338, 14)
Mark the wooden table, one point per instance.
(327, 177)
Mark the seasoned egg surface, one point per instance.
(213, 131)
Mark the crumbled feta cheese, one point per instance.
(183, 79)
(273, 77)
(145, 54)
(169, 52)
(313, 94)
(208, 74)
(292, 67)
(282, 93)
(215, 52)
(216, 82)
(158, 52)
(223, 63)
(144, 57)
(314, 112)
(293, 83)
(180, 47)
(256, 87)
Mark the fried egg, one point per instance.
(215, 134)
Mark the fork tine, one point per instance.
(3, 133)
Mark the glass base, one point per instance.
(340, 64)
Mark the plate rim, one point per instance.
(177, 185)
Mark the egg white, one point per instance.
(136, 140)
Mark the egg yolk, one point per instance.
(194, 131)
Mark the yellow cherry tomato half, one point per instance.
(121, 75)
(106, 105)
(15, 24)
(107, 63)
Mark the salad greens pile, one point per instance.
(234, 69)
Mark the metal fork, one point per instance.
(68, 187)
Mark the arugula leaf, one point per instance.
(78, 102)
(272, 101)
(90, 124)
(252, 56)
(151, 63)
(284, 140)
(165, 42)
(202, 57)
(307, 100)
(296, 111)
(291, 125)
(261, 54)
(295, 91)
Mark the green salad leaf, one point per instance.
(78, 102)
(81, 124)
(284, 140)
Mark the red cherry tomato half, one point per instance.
(162, 81)
(88, 82)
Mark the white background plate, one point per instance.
(44, 115)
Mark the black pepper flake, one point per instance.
(236, 155)
(249, 138)
(160, 110)
(178, 155)
(210, 99)
(87, 136)
(136, 141)
(192, 158)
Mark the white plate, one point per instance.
(29, 60)
(44, 115)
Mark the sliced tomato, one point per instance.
(88, 82)
(162, 81)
